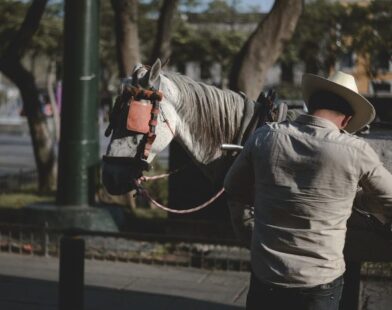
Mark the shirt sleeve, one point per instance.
(376, 182)
(239, 181)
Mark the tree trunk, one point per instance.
(51, 82)
(162, 47)
(10, 65)
(264, 47)
(127, 39)
(42, 140)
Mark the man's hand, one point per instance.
(367, 202)
(242, 221)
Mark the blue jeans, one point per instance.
(267, 296)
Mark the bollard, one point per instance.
(352, 287)
(46, 240)
(71, 278)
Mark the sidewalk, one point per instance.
(29, 282)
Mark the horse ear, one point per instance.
(137, 67)
(154, 72)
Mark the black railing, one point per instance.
(174, 250)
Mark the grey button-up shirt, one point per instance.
(302, 178)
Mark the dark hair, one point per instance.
(330, 101)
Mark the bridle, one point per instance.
(138, 114)
(142, 118)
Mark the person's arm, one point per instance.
(242, 221)
(239, 180)
(239, 187)
(376, 183)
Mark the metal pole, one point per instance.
(352, 286)
(71, 278)
(79, 144)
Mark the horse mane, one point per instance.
(214, 114)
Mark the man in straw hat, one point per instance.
(302, 178)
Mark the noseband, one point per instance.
(142, 117)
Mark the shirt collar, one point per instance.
(307, 119)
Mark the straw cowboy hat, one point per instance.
(343, 85)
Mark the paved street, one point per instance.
(16, 152)
(30, 283)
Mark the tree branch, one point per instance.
(30, 24)
(127, 39)
(264, 47)
(162, 47)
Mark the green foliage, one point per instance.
(206, 46)
(370, 31)
(11, 15)
(193, 38)
(197, 38)
(107, 43)
(220, 7)
(48, 39)
(317, 35)
(327, 30)
(148, 16)
(288, 91)
(23, 198)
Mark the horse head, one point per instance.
(142, 124)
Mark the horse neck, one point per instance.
(205, 121)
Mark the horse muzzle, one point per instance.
(119, 173)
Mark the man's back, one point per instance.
(302, 178)
(305, 179)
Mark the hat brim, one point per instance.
(364, 112)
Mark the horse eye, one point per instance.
(134, 140)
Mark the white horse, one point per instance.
(200, 117)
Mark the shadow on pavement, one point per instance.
(18, 293)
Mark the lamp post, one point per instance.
(79, 143)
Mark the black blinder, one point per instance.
(120, 173)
